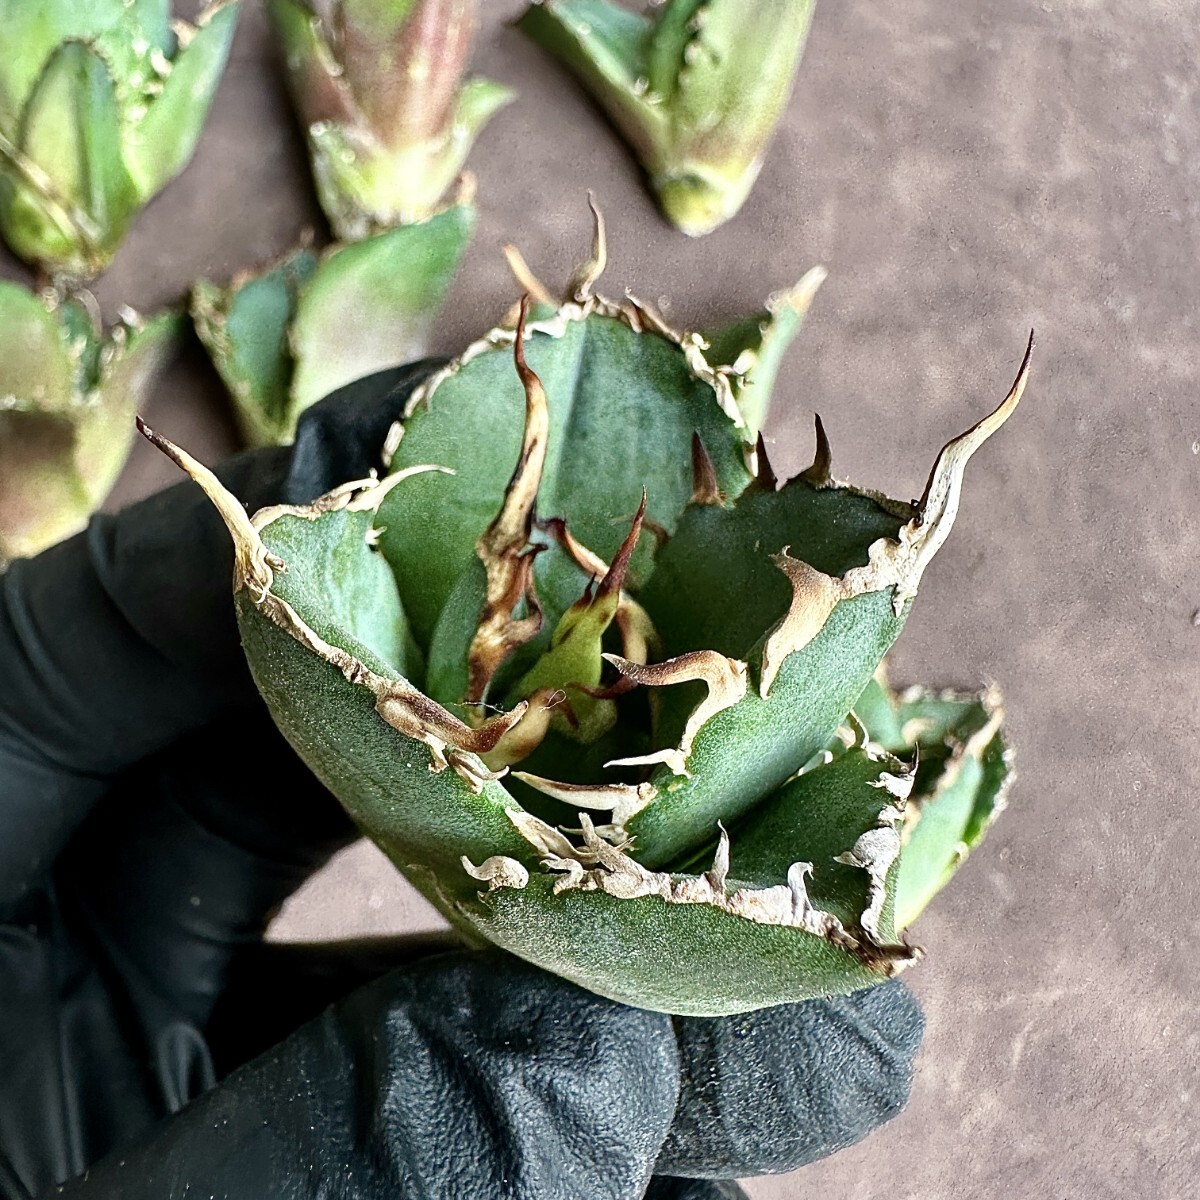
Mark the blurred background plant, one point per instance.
(101, 105)
(378, 86)
(68, 394)
(284, 337)
(696, 88)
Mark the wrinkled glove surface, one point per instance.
(151, 1045)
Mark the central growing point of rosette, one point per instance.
(578, 685)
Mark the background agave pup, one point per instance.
(379, 86)
(587, 674)
(101, 106)
(68, 391)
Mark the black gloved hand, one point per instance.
(151, 821)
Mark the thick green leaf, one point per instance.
(689, 959)
(423, 821)
(127, 32)
(37, 372)
(478, 101)
(72, 200)
(315, 78)
(372, 304)
(817, 818)
(697, 93)
(404, 61)
(749, 749)
(623, 410)
(735, 76)
(160, 145)
(245, 329)
(67, 400)
(720, 559)
(129, 361)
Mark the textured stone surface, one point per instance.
(965, 171)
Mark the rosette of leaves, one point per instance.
(101, 105)
(68, 394)
(379, 88)
(588, 673)
(696, 87)
(284, 337)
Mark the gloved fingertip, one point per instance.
(769, 1091)
(663, 1187)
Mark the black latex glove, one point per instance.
(151, 821)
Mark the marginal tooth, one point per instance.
(614, 577)
(253, 565)
(637, 631)
(939, 504)
(623, 799)
(370, 497)
(527, 280)
(719, 871)
(705, 489)
(822, 464)
(586, 274)
(765, 479)
(673, 758)
(725, 677)
(545, 839)
(499, 871)
(527, 735)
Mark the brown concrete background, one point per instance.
(965, 170)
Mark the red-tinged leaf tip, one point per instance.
(704, 475)
(614, 578)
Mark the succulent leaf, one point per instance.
(245, 330)
(626, 406)
(696, 90)
(284, 338)
(694, 820)
(166, 136)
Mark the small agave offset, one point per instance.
(284, 337)
(68, 393)
(379, 88)
(606, 692)
(696, 87)
(101, 105)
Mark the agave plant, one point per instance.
(101, 105)
(283, 338)
(68, 392)
(378, 86)
(604, 690)
(696, 87)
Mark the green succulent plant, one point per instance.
(603, 689)
(379, 88)
(696, 87)
(285, 337)
(101, 105)
(68, 393)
